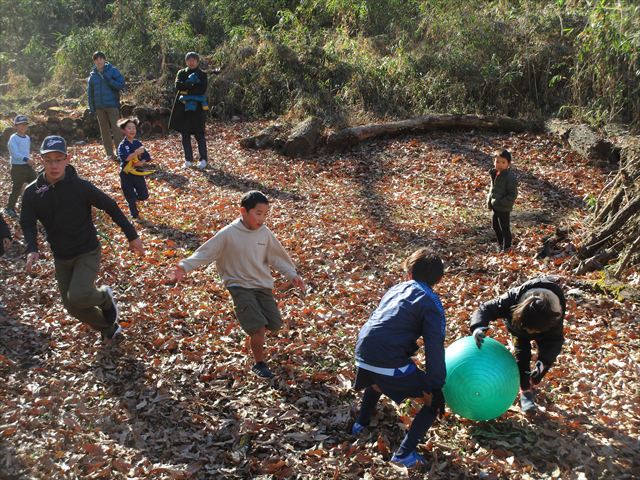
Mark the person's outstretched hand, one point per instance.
(536, 373)
(136, 246)
(298, 282)
(479, 334)
(177, 274)
(32, 258)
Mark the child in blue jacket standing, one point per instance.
(387, 342)
(134, 185)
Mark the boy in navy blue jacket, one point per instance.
(387, 342)
(132, 153)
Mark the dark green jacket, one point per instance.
(504, 190)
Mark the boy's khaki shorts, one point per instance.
(255, 308)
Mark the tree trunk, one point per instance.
(614, 231)
(596, 239)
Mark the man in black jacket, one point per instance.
(192, 83)
(62, 202)
(532, 311)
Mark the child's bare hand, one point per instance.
(299, 283)
(136, 246)
(31, 163)
(139, 151)
(176, 275)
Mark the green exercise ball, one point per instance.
(482, 383)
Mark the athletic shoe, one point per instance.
(117, 333)
(202, 164)
(413, 460)
(527, 403)
(357, 429)
(11, 212)
(188, 164)
(261, 370)
(111, 314)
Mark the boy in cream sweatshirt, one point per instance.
(244, 251)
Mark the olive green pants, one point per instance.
(20, 174)
(107, 118)
(76, 280)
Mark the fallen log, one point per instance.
(350, 136)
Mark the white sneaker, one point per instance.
(202, 164)
(188, 164)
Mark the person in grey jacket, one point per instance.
(502, 196)
(103, 91)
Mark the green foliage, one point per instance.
(351, 60)
(606, 75)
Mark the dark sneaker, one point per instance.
(11, 212)
(527, 403)
(261, 370)
(111, 314)
(413, 460)
(116, 335)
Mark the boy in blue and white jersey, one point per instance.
(22, 171)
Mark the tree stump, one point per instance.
(263, 139)
(590, 145)
(304, 138)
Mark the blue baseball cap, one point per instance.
(53, 143)
(20, 119)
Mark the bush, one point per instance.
(352, 59)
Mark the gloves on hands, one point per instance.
(437, 402)
(479, 334)
(193, 78)
(536, 373)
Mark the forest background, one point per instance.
(348, 61)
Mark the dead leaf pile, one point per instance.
(175, 399)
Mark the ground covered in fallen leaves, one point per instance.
(176, 399)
